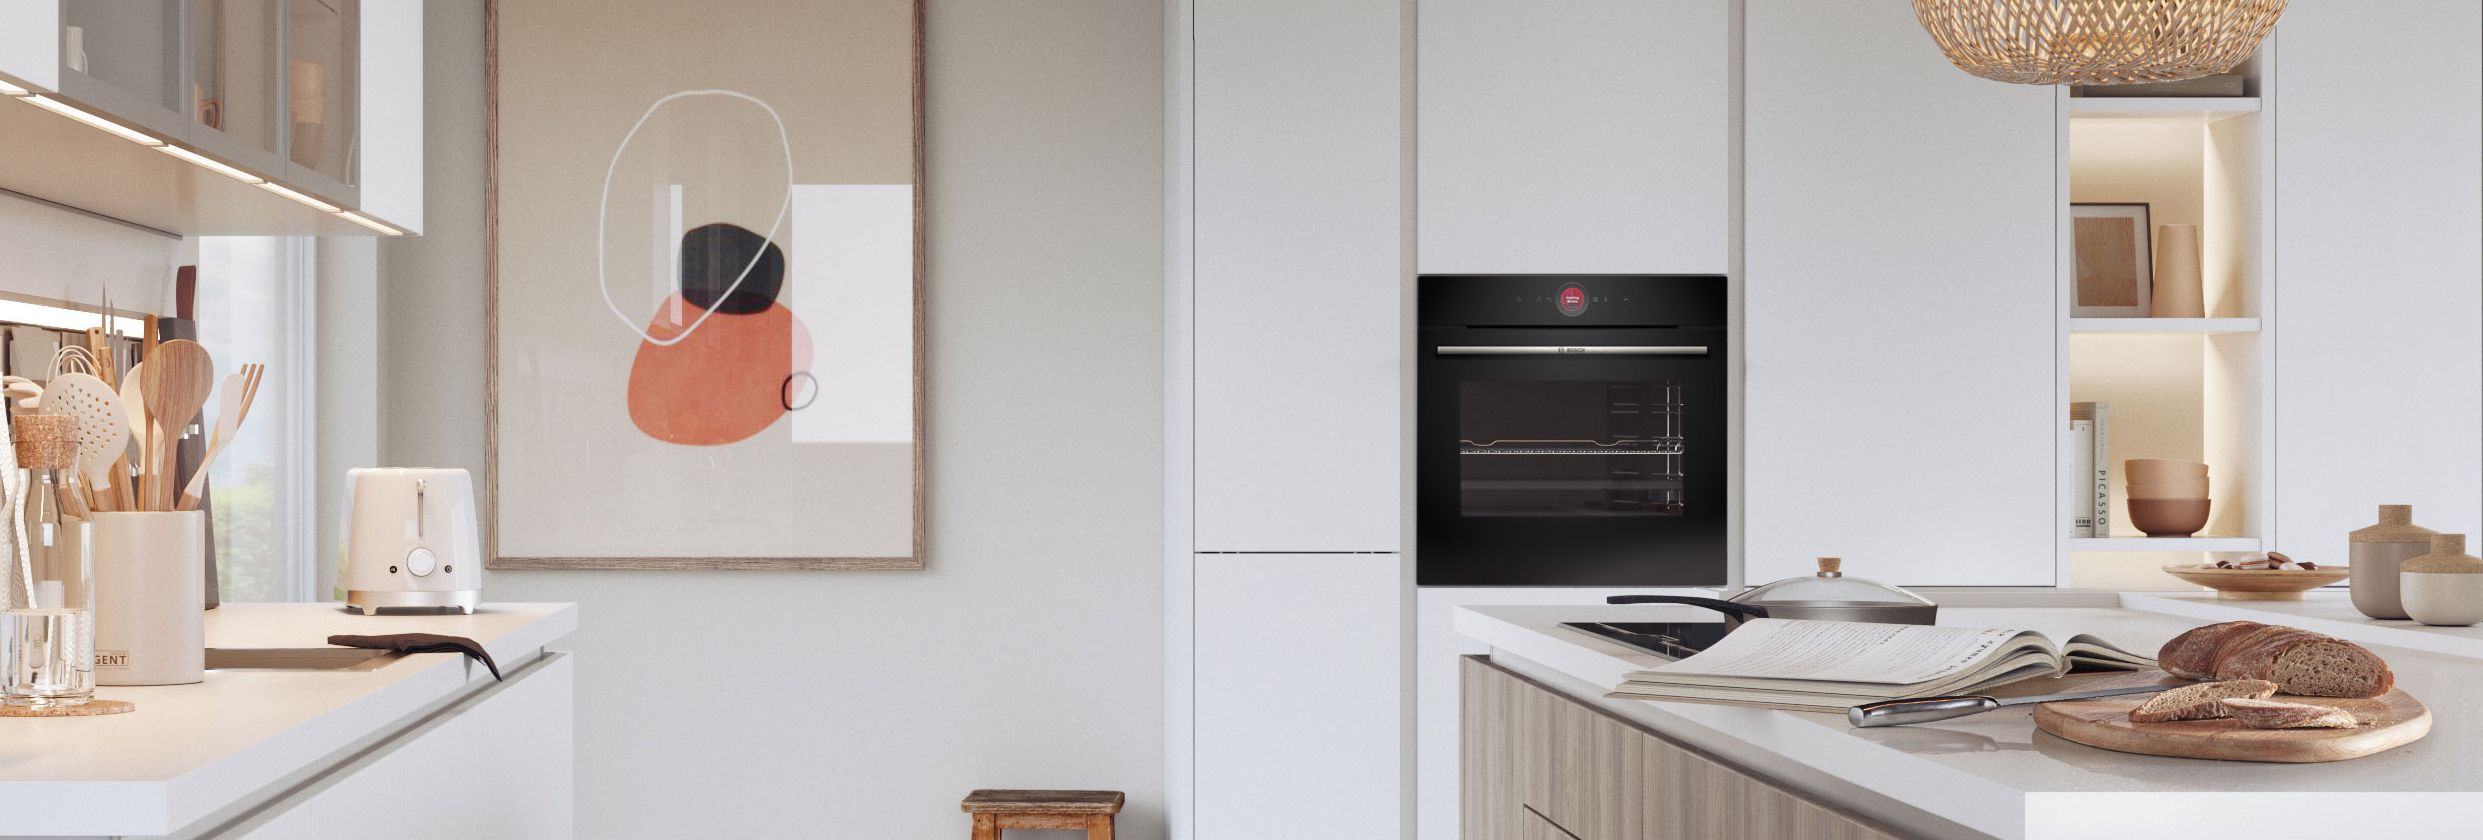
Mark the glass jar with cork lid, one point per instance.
(47, 639)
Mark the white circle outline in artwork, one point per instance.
(603, 205)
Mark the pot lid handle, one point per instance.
(1831, 567)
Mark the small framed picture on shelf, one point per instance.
(2113, 260)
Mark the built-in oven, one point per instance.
(1570, 430)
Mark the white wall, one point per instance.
(1029, 653)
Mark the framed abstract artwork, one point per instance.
(2114, 266)
(704, 242)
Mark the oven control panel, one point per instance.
(1477, 300)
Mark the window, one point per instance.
(255, 304)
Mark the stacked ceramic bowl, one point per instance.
(2167, 498)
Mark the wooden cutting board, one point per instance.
(2390, 720)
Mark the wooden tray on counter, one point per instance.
(2389, 721)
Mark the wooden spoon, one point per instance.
(232, 404)
(178, 379)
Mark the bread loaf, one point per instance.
(2277, 714)
(2203, 701)
(2298, 661)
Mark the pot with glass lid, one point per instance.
(1826, 596)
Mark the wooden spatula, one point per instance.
(179, 377)
(134, 404)
(232, 404)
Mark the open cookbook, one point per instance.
(1827, 666)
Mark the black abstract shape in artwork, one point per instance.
(713, 255)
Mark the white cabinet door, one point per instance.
(1299, 684)
(500, 764)
(390, 103)
(1899, 306)
(2378, 108)
(1575, 137)
(1298, 275)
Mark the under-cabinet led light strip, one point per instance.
(368, 222)
(211, 164)
(289, 192)
(75, 113)
(194, 158)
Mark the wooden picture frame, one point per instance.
(2113, 260)
(722, 551)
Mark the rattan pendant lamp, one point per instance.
(2087, 42)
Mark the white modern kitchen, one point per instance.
(1241, 419)
(1851, 278)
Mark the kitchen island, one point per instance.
(422, 745)
(1546, 754)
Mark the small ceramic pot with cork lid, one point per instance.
(2375, 555)
(2445, 587)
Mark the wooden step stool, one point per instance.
(996, 811)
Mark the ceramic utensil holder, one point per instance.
(2445, 587)
(2177, 286)
(2375, 554)
(150, 578)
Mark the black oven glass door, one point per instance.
(1596, 448)
(1571, 457)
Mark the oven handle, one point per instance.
(1550, 350)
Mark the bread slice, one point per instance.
(2278, 714)
(2199, 702)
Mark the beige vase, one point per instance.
(2177, 285)
(2375, 554)
(2443, 588)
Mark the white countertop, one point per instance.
(1995, 775)
(192, 751)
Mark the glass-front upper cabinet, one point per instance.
(125, 44)
(320, 58)
(235, 86)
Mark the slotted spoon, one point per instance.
(103, 428)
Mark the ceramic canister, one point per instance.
(2444, 587)
(150, 577)
(2375, 555)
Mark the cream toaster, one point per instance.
(410, 540)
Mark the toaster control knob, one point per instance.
(420, 561)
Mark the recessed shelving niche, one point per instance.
(2183, 388)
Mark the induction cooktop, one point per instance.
(1668, 639)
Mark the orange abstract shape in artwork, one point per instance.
(722, 384)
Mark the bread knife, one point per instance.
(1928, 709)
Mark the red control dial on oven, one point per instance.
(1573, 300)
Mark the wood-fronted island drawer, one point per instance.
(1537, 764)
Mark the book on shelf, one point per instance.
(1829, 666)
(2098, 463)
(2082, 464)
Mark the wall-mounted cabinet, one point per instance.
(218, 116)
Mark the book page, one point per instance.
(1842, 651)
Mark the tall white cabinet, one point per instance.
(1898, 305)
(1580, 137)
(2379, 182)
(1286, 594)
